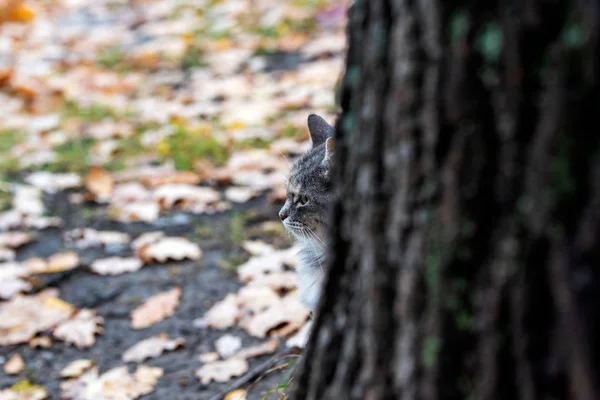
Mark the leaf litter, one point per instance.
(109, 127)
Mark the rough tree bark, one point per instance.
(465, 244)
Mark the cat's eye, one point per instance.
(303, 200)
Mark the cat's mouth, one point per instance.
(293, 226)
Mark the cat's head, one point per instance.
(304, 213)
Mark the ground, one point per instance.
(202, 282)
(182, 114)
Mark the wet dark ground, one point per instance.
(202, 283)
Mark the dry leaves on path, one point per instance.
(14, 239)
(228, 345)
(24, 316)
(99, 183)
(258, 350)
(155, 309)
(115, 384)
(81, 329)
(24, 390)
(223, 314)
(239, 394)
(76, 368)
(151, 348)
(222, 371)
(169, 248)
(14, 365)
(280, 319)
(56, 263)
(88, 237)
(116, 265)
(53, 182)
(268, 262)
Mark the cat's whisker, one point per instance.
(314, 234)
(285, 158)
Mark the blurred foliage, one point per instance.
(185, 146)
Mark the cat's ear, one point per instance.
(329, 143)
(319, 130)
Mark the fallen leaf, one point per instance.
(256, 298)
(170, 248)
(43, 342)
(241, 194)
(278, 281)
(257, 247)
(61, 262)
(258, 350)
(87, 237)
(11, 286)
(239, 394)
(177, 177)
(228, 345)
(24, 316)
(155, 309)
(81, 329)
(53, 182)
(151, 348)
(7, 254)
(116, 265)
(140, 211)
(222, 371)
(287, 316)
(115, 384)
(14, 240)
(267, 263)
(99, 183)
(76, 368)
(208, 357)
(146, 238)
(223, 314)
(186, 197)
(14, 365)
(109, 129)
(24, 390)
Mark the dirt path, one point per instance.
(202, 283)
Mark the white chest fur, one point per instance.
(310, 273)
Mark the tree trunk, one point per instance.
(465, 244)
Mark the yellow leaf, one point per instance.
(163, 148)
(178, 122)
(282, 29)
(57, 304)
(239, 394)
(188, 38)
(237, 125)
(22, 13)
(223, 44)
(29, 391)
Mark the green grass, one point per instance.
(8, 163)
(237, 229)
(185, 147)
(110, 58)
(5, 199)
(9, 139)
(72, 156)
(233, 236)
(281, 388)
(254, 143)
(193, 57)
(94, 113)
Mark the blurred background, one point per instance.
(143, 152)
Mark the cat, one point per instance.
(305, 211)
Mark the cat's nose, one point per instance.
(283, 215)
